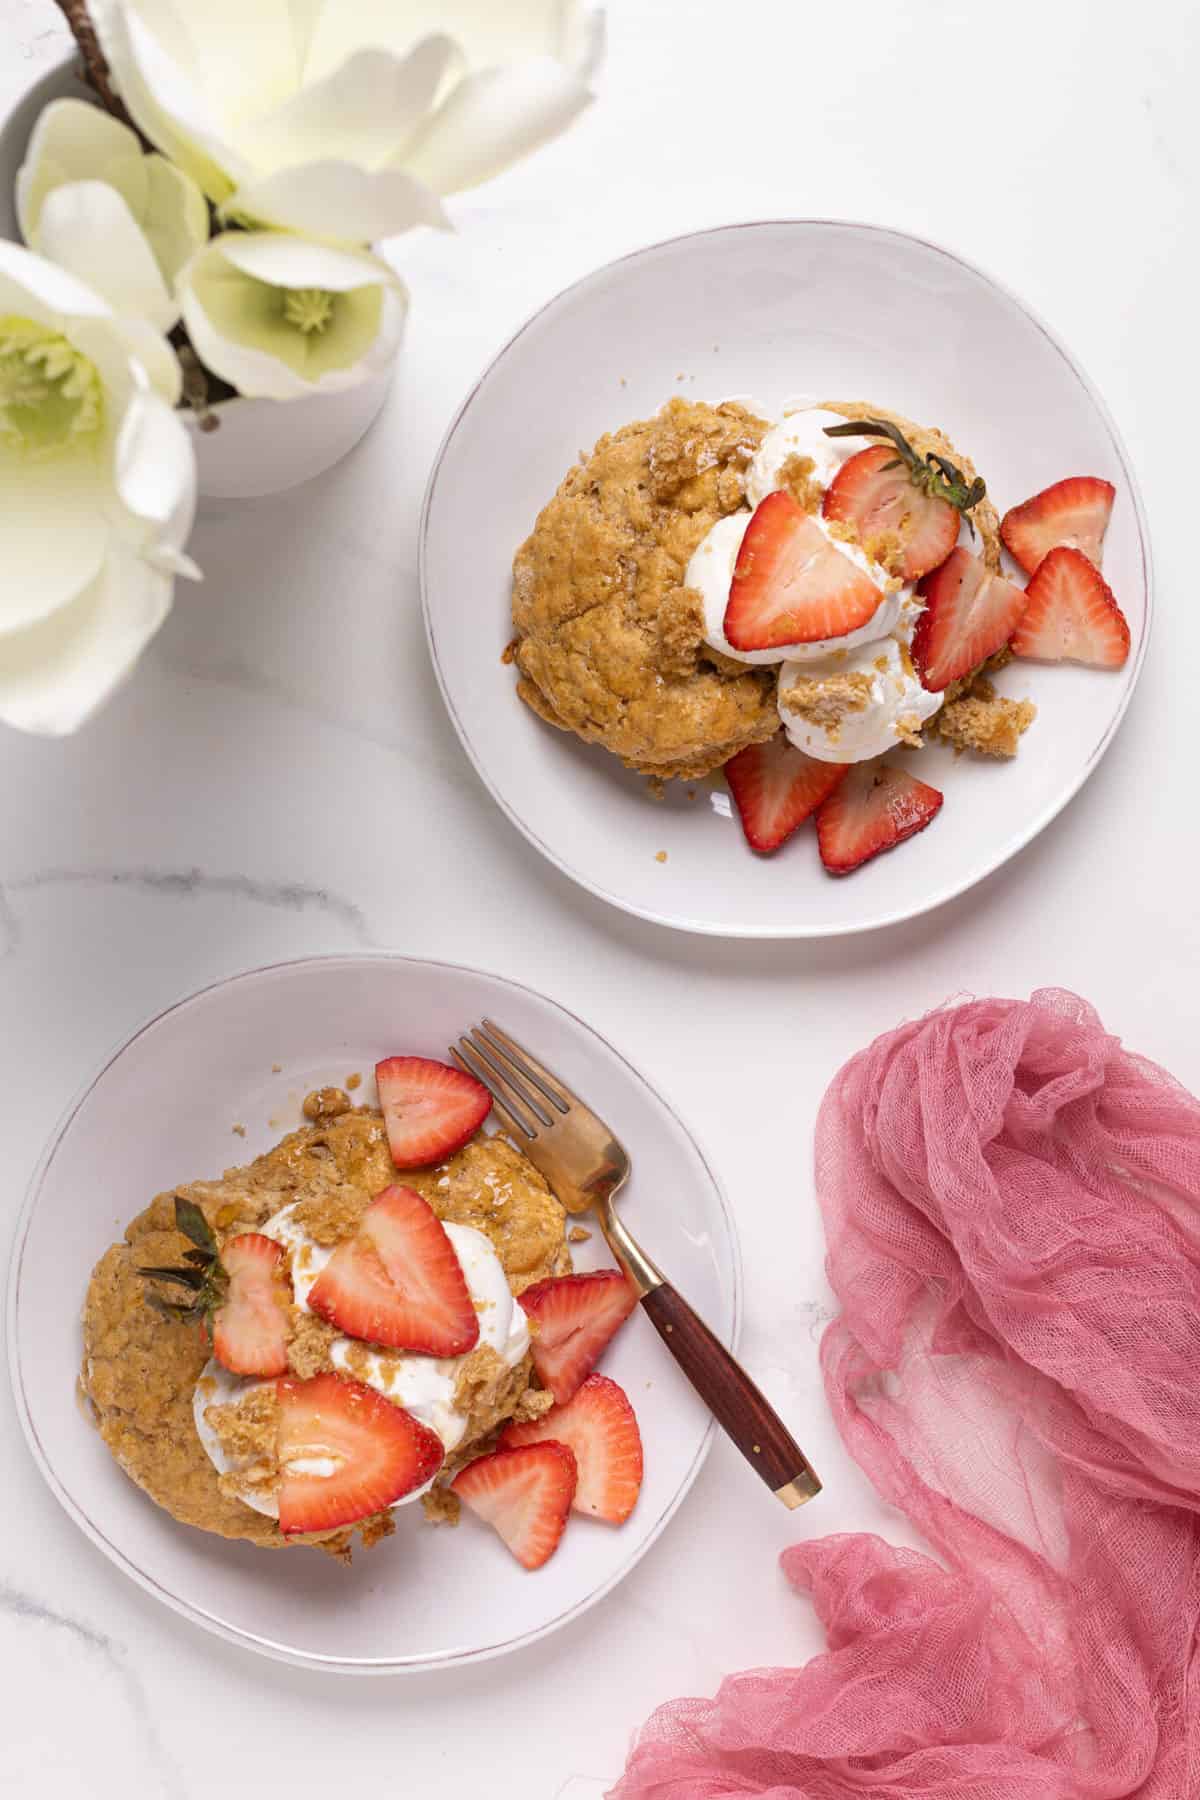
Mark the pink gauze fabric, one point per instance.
(1012, 1207)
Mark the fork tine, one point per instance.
(504, 1070)
(559, 1096)
(504, 1098)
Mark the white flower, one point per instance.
(97, 493)
(346, 119)
(124, 222)
(279, 317)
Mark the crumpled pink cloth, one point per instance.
(1012, 1205)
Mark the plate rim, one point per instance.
(196, 1615)
(752, 932)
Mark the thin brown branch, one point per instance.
(95, 68)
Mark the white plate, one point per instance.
(161, 1111)
(770, 311)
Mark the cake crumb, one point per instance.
(353, 1081)
(660, 856)
(277, 1068)
(825, 703)
(984, 721)
(441, 1507)
(326, 1103)
(799, 477)
(239, 1130)
(578, 1234)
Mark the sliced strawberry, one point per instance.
(874, 809)
(250, 1329)
(575, 1315)
(1073, 512)
(345, 1452)
(791, 585)
(523, 1494)
(1071, 615)
(775, 787)
(969, 615)
(398, 1281)
(599, 1427)
(874, 492)
(430, 1110)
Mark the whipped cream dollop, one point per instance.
(858, 703)
(710, 572)
(800, 433)
(422, 1385)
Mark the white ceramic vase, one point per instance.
(260, 446)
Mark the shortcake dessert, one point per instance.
(793, 601)
(345, 1326)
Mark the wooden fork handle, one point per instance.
(739, 1408)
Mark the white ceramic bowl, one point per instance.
(768, 311)
(161, 1111)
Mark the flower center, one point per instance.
(50, 393)
(308, 309)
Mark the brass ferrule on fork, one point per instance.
(628, 1252)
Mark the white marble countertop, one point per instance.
(201, 825)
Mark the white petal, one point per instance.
(584, 35)
(240, 54)
(175, 216)
(490, 120)
(154, 472)
(237, 324)
(337, 201)
(490, 31)
(86, 227)
(155, 355)
(304, 14)
(152, 59)
(40, 290)
(298, 263)
(55, 674)
(71, 141)
(363, 112)
(54, 529)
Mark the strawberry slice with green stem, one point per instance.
(878, 493)
(791, 585)
(877, 807)
(970, 613)
(873, 496)
(1073, 513)
(599, 1427)
(238, 1294)
(524, 1494)
(775, 787)
(430, 1109)
(398, 1281)
(574, 1317)
(345, 1452)
(1071, 615)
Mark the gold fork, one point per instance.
(586, 1167)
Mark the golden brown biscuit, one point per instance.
(609, 644)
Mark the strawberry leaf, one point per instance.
(188, 1278)
(192, 1223)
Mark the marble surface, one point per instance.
(280, 779)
